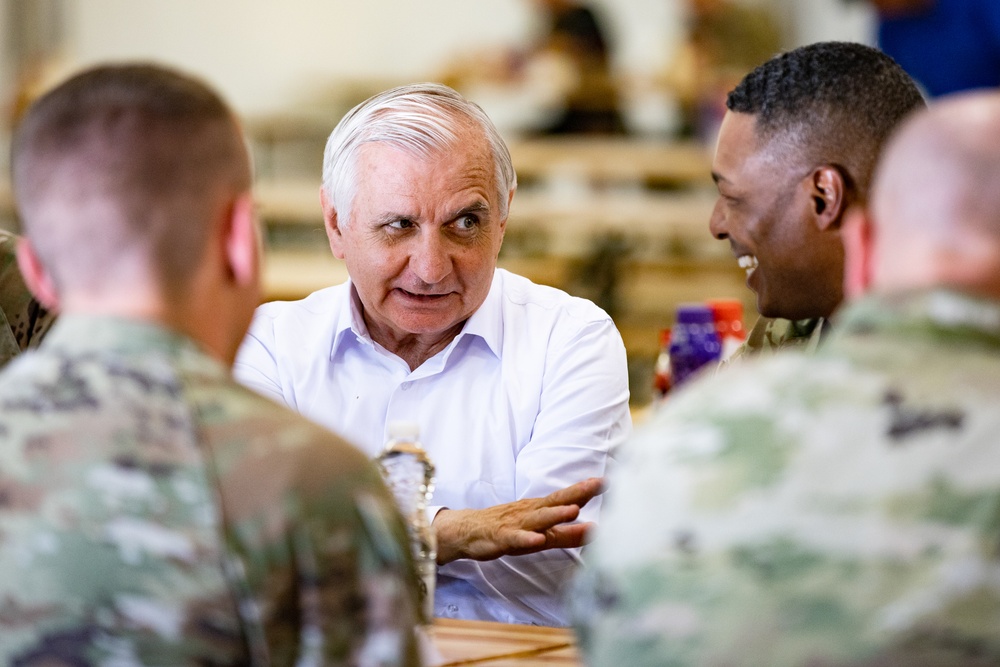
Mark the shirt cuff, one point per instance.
(432, 511)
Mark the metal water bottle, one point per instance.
(409, 474)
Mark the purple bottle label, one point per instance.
(694, 342)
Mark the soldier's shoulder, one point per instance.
(234, 414)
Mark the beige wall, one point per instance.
(265, 53)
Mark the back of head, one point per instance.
(936, 198)
(832, 102)
(122, 168)
(424, 119)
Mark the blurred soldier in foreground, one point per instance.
(23, 321)
(838, 508)
(153, 511)
(796, 149)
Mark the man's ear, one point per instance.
(503, 221)
(858, 235)
(242, 242)
(36, 277)
(510, 200)
(332, 224)
(829, 196)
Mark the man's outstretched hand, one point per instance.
(521, 527)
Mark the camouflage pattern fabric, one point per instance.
(841, 508)
(23, 321)
(771, 334)
(152, 511)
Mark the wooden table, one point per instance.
(500, 644)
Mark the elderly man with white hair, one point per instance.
(520, 390)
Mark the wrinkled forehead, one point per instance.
(463, 167)
(469, 152)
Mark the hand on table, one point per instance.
(517, 528)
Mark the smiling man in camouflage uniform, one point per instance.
(841, 508)
(152, 511)
(23, 321)
(796, 150)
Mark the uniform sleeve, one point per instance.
(323, 547)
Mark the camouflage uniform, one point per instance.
(768, 335)
(841, 508)
(23, 321)
(152, 511)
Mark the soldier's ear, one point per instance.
(829, 196)
(36, 276)
(858, 235)
(242, 241)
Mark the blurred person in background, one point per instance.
(23, 320)
(154, 511)
(590, 100)
(565, 72)
(837, 508)
(796, 150)
(724, 40)
(946, 45)
(520, 390)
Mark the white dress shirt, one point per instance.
(530, 397)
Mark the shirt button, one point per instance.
(453, 609)
(406, 386)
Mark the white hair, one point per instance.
(422, 118)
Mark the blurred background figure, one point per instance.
(725, 40)
(23, 320)
(564, 70)
(35, 32)
(575, 37)
(946, 45)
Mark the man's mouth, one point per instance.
(423, 297)
(747, 262)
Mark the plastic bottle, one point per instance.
(409, 474)
(661, 369)
(693, 341)
(728, 315)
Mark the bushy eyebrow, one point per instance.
(387, 218)
(480, 207)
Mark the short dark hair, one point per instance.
(840, 100)
(122, 158)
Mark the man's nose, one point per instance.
(431, 259)
(717, 222)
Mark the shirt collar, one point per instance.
(486, 323)
(349, 324)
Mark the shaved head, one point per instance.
(936, 198)
(119, 172)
